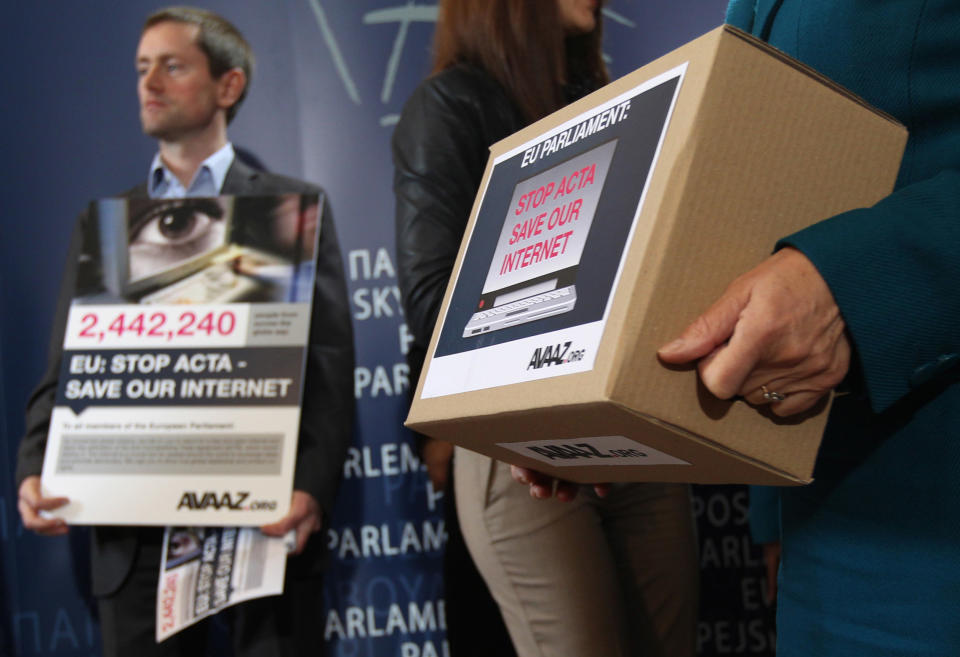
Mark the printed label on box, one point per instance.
(598, 450)
(556, 218)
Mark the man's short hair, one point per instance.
(220, 41)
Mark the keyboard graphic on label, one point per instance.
(524, 310)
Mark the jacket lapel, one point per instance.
(240, 179)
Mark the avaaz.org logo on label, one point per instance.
(557, 354)
(583, 451)
(194, 501)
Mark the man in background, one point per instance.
(194, 70)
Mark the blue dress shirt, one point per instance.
(208, 181)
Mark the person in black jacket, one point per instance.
(595, 576)
(193, 68)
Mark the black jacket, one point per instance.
(440, 150)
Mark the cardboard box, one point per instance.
(625, 215)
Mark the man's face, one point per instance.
(178, 96)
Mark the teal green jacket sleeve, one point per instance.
(894, 270)
(740, 14)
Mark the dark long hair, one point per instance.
(521, 43)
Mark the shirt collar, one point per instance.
(208, 181)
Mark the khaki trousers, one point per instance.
(589, 578)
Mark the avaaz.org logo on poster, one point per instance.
(554, 354)
(194, 501)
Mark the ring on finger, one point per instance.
(772, 396)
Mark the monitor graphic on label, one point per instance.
(534, 268)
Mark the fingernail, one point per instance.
(672, 347)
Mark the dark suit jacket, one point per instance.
(326, 423)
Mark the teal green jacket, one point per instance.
(871, 560)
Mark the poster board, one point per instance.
(183, 362)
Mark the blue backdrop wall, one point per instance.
(331, 79)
